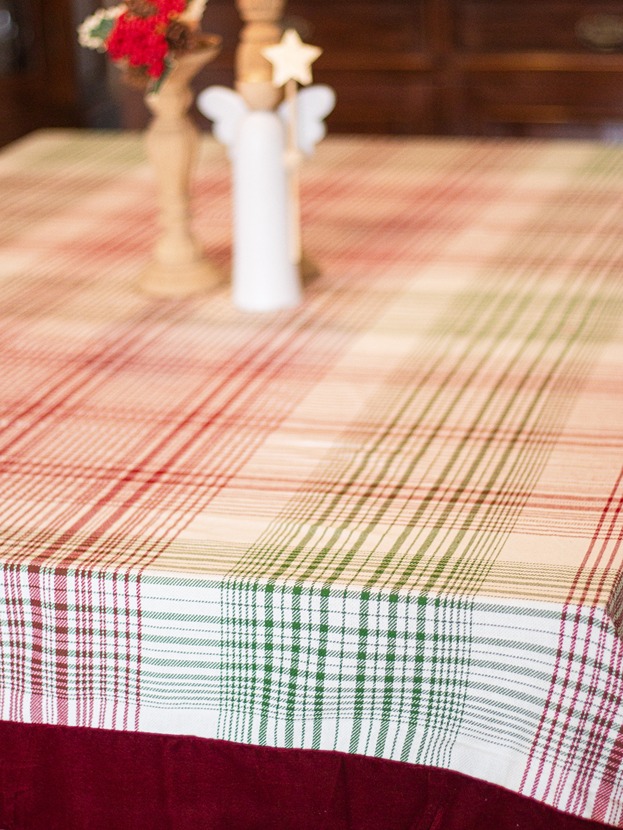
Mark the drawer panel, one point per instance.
(545, 97)
(530, 25)
(376, 103)
(391, 27)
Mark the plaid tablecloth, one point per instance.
(388, 522)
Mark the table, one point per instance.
(387, 523)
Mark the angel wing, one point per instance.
(314, 103)
(225, 108)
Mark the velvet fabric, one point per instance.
(71, 778)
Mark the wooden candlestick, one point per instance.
(253, 72)
(178, 267)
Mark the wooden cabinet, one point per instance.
(46, 80)
(491, 67)
(37, 72)
(382, 58)
(480, 67)
(538, 66)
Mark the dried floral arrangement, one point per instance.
(145, 36)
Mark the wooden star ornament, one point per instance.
(291, 59)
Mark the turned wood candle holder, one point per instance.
(178, 267)
(262, 19)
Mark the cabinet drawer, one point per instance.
(373, 102)
(530, 25)
(544, 97)
(392, 27)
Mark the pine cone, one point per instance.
(181, 38)
(141, 8)
(135, 77)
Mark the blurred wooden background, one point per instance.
(457, 67)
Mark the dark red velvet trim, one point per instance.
(69, 778)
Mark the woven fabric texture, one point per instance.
(387, 522)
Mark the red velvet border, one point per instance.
(70, 778)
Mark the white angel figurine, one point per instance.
(265, 275)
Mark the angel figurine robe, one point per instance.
(265, 273)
